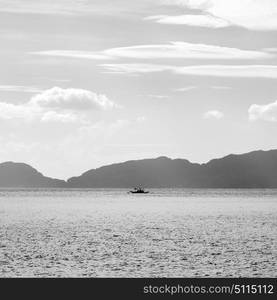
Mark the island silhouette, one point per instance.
(257, 169)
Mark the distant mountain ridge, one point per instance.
(257, 169)
(21, 175)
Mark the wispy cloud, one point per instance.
(174, 50)
(190, 20)
(60, 7)
(251, 71)
(74, 54)
(158, 96)
(73, 8)
(135, 68)
(220, 87)
(63, 7)
(273, 50)
(241, 71)
(190, 88)
(185, 89)
(19, 88)
(251, 14)
(184, 50)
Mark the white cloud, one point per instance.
(52, 116)
(158, 51)
(251, 14)
(57, 105)
(240, 71)
(266, 112)
(74, 99)
(191, 20)
(9, 111)
(213, 114)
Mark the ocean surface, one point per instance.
(109, 233)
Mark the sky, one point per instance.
(89, 83)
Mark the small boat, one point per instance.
(139, 191)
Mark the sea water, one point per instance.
(110, 233)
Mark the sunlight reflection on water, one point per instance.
(167, 233)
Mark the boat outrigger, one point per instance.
(139, 191)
